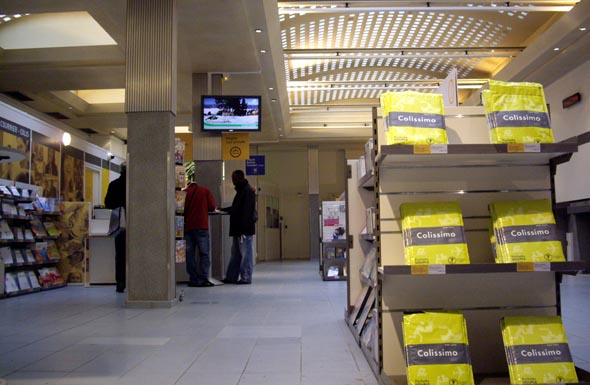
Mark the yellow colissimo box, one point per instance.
(437, 349)
(525, 231)
(537, 350)
(414, 118)
(517, 113)
(433, 233)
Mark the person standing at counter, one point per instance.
(198, 202)
(242, 226)
(116, 197)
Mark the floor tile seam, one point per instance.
(248, 361)
(201, 353)
(29, 363)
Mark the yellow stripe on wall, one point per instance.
(105, 178)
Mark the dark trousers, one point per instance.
(120, 257)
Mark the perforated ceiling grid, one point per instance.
(387, 31)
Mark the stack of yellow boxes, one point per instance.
(537, 350)
(437, 349)
(525, 231)
(414, 118)
(517, 113)
(433, 233)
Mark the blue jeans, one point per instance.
(241, 262)
(197, 239)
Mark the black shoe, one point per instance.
(225, 280)
(120, 289)
(205, 284)
(240, 282)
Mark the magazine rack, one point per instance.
(30, 252)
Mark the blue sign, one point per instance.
(255, 165)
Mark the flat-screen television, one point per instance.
(230, 113)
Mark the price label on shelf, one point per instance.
(515, 147)
(419, 269)
(439, 149)
(523, 147)
(532, 147)
(525, 267)
(437, 269)
(428, 269)
(542, 266)
(421, 149)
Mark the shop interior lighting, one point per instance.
(307, 7)
(66, 138)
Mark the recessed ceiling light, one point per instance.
(270, 88)
(556, 49)
(66, 138)
(262, 51)
(273, 100)
(258, 30)
(583, 28)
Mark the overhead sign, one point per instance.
(235, 146)
(255, 165)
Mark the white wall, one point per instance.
(572, 179)
(332, 165)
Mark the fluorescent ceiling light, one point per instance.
(51, 30)
(182, 130)
(301, 10)
(116, 95)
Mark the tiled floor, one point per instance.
(287, 328)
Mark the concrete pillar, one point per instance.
(151, 109)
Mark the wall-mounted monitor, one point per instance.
(230, 113)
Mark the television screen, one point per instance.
(230, 113)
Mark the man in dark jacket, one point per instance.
(242, 226)
(115, 198)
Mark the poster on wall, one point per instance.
(73, 225)
(333, 220)
(72, 172)
(17, 137)
(45, 164)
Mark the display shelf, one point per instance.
(21, 292)
(19, 266)
(492, 379)
(476, 268)
(473, 155)
(17, 217)
(474, 175)
(17, 241)
(35, 290)
(328, 266)
(47, 238)
(367, 237)
(32, 215)
(369, 355)
(367, 181)
(48, 213)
